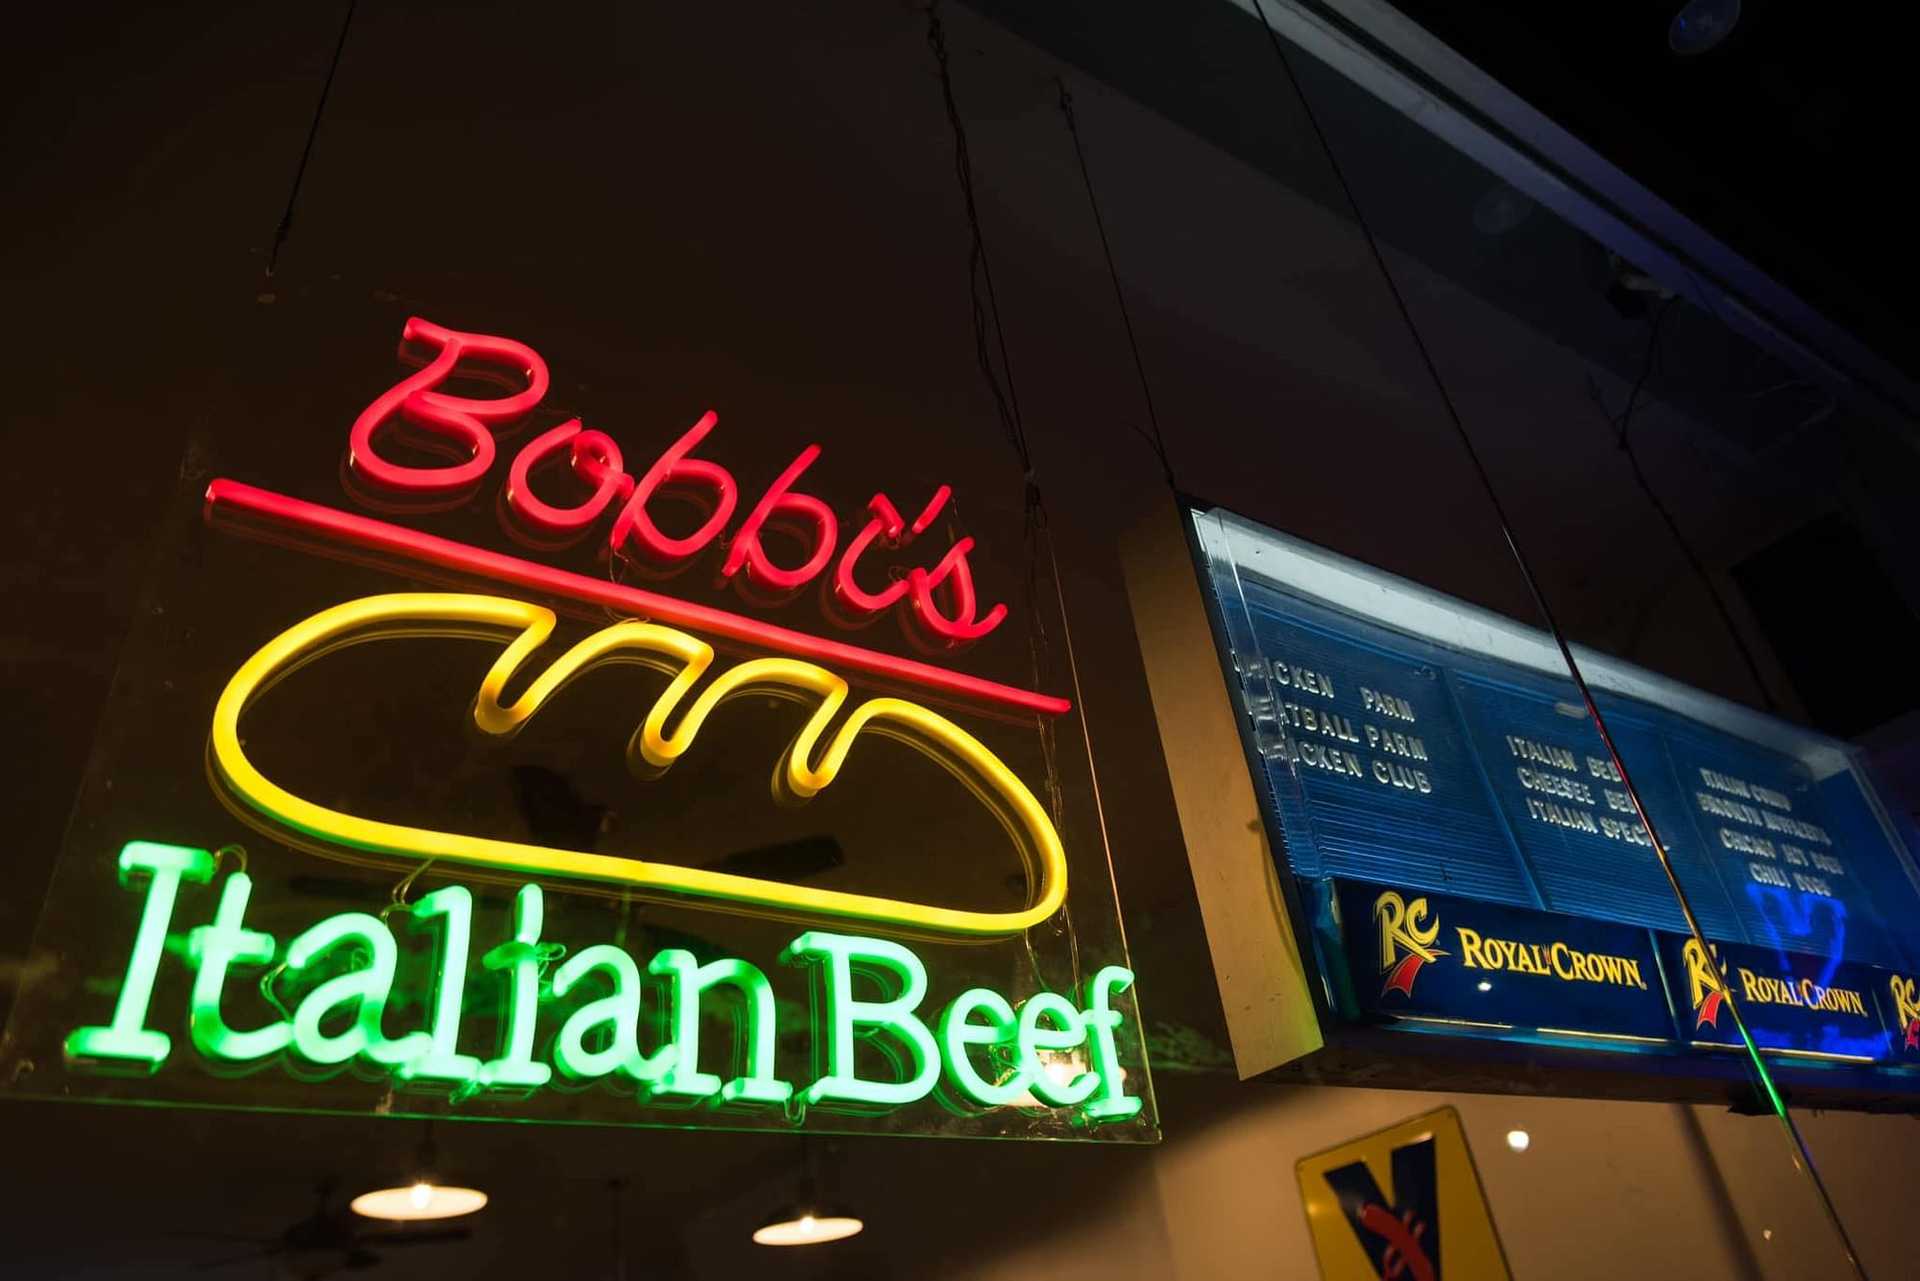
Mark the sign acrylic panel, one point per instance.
(471, 761)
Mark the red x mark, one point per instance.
(1404, 1253)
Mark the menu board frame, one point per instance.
(1360, 1045)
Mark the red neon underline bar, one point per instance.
(379, 535)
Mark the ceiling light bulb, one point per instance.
(788, 1228)
(1519, 1140)
(421, 1200)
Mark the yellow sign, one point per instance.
(1403, 1204)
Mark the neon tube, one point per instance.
(466, 422)
(520, 958)
(214, 949)
(748, 550)
(545, 517)
(379, 535)
(805, 769)
(128, 1039)
(962, 626)
(909, 1044)
(886, 521)
(674, 468)
(599, 1036)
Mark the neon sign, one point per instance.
(660, 740)
(593, 457)
(978, 1052)
(481, 999)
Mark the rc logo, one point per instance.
(1376, 1206)
(1706, 986)
(1408, 928)
(1906, 1009)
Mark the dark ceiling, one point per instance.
(1785, 140)
(1211, 69)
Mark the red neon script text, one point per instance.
(466, 422)
(941, 599)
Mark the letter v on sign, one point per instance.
(1376, 1206)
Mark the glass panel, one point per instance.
(526, 653)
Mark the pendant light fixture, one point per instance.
(426, 1197)
(809, 1220)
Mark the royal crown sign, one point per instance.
(1488, 964)
(473, 761)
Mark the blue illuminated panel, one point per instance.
(1436, 963)
(1790, 877)
(1792, 1003)
(1392, 788)
(1570, 814)
(1493, 966)
(1409, 740)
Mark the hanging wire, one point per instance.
(1155, 439)
(1622, 427)
(989, 340)
(285, 226)
(1158, 439)
(270, 995)
(397, 897)
(1803, 1156)
(985, 309)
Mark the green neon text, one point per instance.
(890, 1024)
(214, 950)
(876, 1044)
(519, 956)
(127, 1041)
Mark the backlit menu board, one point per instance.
(1406, 739)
